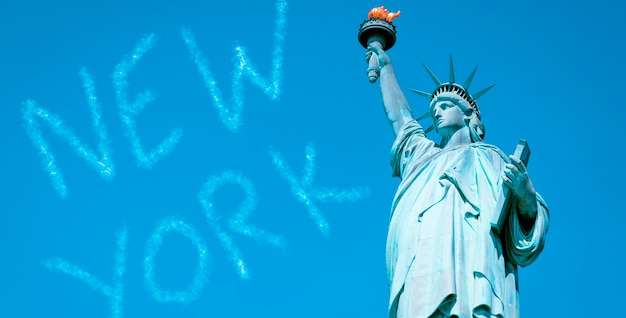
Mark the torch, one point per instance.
(377, 29)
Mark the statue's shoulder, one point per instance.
(494, 150)
(483, 145)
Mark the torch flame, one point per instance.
(382, 13)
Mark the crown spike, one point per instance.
(432, 75)
(470, 78)
(482, 92)
(429, 129)
(426, 115)
(423, 94)
(451, 70)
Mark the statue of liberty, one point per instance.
(446, 256)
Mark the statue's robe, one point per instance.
(442, 252)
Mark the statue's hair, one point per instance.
(477, 129)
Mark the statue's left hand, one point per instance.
(517, 179)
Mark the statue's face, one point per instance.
(448, 117)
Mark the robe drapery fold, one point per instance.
(442, 253)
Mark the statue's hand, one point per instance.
(517, 179)
(383, 58)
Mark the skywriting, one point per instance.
(228, 228)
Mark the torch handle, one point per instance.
(372, 70)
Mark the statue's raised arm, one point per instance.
(396, 105)
(378, 34)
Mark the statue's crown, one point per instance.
(453, 87)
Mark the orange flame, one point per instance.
(382, 13)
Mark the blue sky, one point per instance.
(269, 195)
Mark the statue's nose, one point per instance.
(437, 113)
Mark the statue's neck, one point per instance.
(459, 137)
